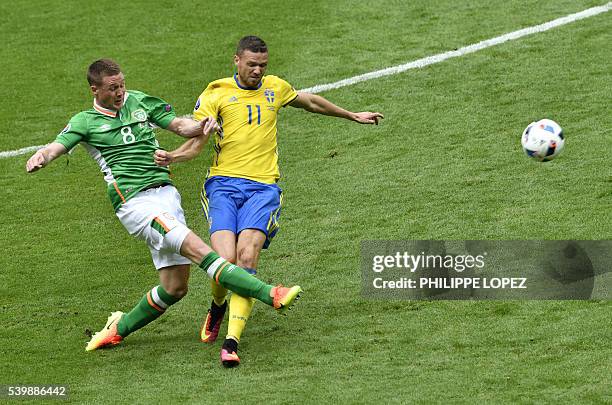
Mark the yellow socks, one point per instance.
(239, 312)
(218, 292)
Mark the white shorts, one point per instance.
(156, 216)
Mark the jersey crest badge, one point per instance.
(167, 108)
(139, 115)
(269, 93)
(197, 105)
(66, 129)
(233, 99)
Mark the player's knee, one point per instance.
(226, 252)
(178, 291)
(193, 247)
(248, 257)
(228, 256)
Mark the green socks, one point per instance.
(156, 301)
(235, 278)
(150, 307)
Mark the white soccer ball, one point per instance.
(543, 140)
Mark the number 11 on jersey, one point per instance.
(250, 108)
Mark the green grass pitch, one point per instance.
(446, 163)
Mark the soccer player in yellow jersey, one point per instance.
(240, 197)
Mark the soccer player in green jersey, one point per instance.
(118, 133)
(240, 197)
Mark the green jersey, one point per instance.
(123, 143)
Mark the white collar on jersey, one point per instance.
(106, 111)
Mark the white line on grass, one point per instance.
(22, 151)
(419, 63)
(430, 60)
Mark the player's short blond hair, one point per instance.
(101, 68)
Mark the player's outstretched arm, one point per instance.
(198, 131)
(44, 156)
(317, 104)
(187, 151)
(189, 128)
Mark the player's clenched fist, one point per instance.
(162, 157)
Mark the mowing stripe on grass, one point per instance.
(419, 63)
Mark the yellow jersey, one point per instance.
(246, 147)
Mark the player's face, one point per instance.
(110, 93)
(251, 67)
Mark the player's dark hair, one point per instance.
(101, 68)
(251, 43)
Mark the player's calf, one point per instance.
(120, 325)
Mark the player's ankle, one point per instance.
(230, 344)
